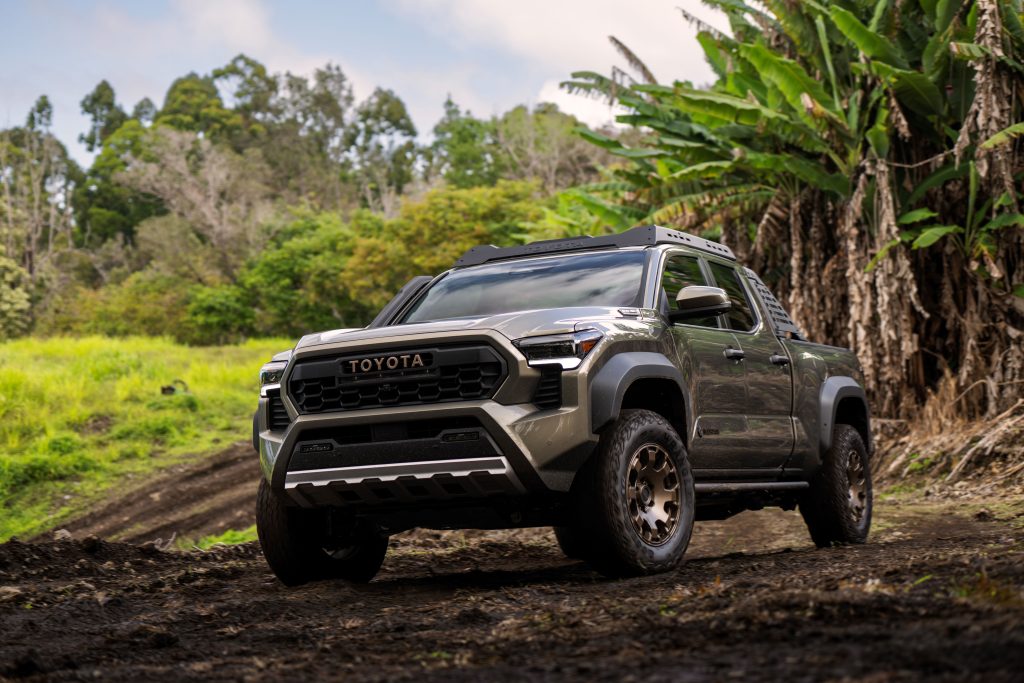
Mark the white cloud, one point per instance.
(561, 36)
(567, 35)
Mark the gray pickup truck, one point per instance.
(617, 388)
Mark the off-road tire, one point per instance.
(572, 542)
(827, 507)
(601, 506)
(293, 542)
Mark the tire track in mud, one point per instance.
(937, 594)
(184, 501)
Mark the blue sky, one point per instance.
(488, 54)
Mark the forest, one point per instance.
(866, 157)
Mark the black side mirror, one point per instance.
(698, 301)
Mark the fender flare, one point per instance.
(834, 390)
(610, 383)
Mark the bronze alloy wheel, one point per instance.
(858, 485)
(653, 494)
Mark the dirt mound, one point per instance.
(186, 501)
(936, 595)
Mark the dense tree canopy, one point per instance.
(250, 202)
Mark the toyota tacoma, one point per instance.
(617, 388)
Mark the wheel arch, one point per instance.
(843, 401)
(644, 380)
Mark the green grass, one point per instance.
(80, 416)
(229, 537)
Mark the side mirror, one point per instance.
(698, 301)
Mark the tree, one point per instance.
(194, 104)
(222, 195)
(541, 144)
(105, 115)
(105, 208)
(144, 111)
(465, 151)
(37, 179)
(14, 299)
(862, 156)
(381, 149)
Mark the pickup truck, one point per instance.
(617, 388)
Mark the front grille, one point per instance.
(351, 435)
(277, 416)
(350, 382)
(548, 393)
(450, 438)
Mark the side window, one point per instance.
(682, 271)
(740, 316)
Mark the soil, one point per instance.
(187, 501)
(936, 594)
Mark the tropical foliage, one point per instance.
(868, 157)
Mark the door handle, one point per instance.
(734, 354)
(778, 359)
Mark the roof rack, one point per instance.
(642, 236)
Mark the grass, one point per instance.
(229, 537)
(80, 416)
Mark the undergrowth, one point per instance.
(80, 416)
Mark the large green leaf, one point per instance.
(945, 10)
(810, 172)
(713, 54)
(869, 42)
(1004, 220)
(916, 216)
(878, 134)
(598, 139)
(1004, 137)
(708, 169)
(934, 233)
(913, 89)
(940, 177)
(724, 107)
(789, 77)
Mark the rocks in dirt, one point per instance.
(152, 636)
(91, 544)
(473, 615)
(9, 593)
(61, 535)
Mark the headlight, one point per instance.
(567, 350)
(271, 373)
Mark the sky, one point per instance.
(489, 55)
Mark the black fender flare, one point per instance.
(833, 390)
(611, 381)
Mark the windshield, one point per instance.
(610, 279)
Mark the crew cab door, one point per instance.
(769, 400)
(717, 384)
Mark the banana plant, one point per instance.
(808, 95)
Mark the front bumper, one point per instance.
(521, 450)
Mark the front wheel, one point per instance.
(837, 507)
(634, 500)
(299, 549)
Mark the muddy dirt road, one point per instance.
(937, 595)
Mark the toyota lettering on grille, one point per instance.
(404, 361)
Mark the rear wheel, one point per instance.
(837, 507)
(299, 549)
(634, 500)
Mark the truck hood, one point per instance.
(512, 325)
